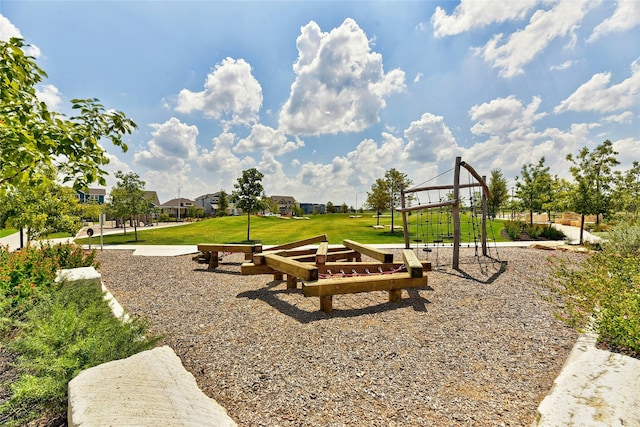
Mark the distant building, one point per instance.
(209, 202)
(286, 204)
(92, 195)
(180, 208)
(313, 208)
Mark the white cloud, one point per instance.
(430, 140)
(268, 139)
(521, 47)
(8, 30)
(418, 77)
(626, 117)
(598, 95)
(230, 89)
(504, 115)
(50, 95)
(470, 14)
(563, 66)
(625, 17)
(221, 160)
(340, 84)
(172, 145)
(628, 150)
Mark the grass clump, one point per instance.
(56, 330)
(604, 288)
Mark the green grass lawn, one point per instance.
(272, 230)
(7, 231)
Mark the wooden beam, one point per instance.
(477, 176)
(382, 256)
(217, 247)
(351, 285)
(429, 206)
(360, 267)
(455, 213)
(250, 269)
(331, 256)
(413, 265)
(321, 253)
(303, 242)
(441, 187)
(292, 267)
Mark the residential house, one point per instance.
(286, 204)
(180, 208)
(92, 195)
(209, 202)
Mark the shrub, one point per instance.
(513, 229)
(534, 231)
(27, 274)
(552, 233)
(69, 331)
(606, 288)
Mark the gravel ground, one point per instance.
(478, 346)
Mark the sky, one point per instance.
(323, 97)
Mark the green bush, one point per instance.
(534, 231)
(69, 331)
(513, 229)
(28, 273)
(552, 233)
(606, 288)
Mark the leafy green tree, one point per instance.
(499, 192)
(561, 195)
(91, 211)
(330, 208)
(41, 206)
(626, 195)
(396, 181)
(533, 187)
(344, 208)
(32, 137)
(593, 174)
(128, 199)
(379, 198)
(247, 194)
(223, 203)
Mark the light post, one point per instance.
(179, 203)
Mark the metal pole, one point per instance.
(455, 211)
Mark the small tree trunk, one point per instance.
(531, 217)
(581, 227)
(135, 229)
(248, 225)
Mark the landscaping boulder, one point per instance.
(151, 388)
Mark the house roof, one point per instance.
(152, 196)
(204, 196)
(182, 202)
(283, 198)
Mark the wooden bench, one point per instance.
(393, 283)
(209, 252)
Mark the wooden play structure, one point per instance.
(210, 252)
(327, 271)
(453, 202)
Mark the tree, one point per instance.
(533, 187)
(379, 197)
(499, 192)
(247, 194)
(396, 181)
(223, 203)
(32, 137)
(41, 206)
(128, 199)
(344, 208)
(593, 176)
(330, 207)
(626, 195)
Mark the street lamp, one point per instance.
(179, 203)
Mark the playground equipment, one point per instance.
(325, 272)
(453, 202)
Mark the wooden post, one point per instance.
(326, 303)
(455, 212)
(405, 226)
(484, 218)
(292, 281)
(213, 261)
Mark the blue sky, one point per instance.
(324, 96)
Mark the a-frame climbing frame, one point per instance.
(455, 207)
